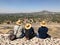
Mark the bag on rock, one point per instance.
(12, 37)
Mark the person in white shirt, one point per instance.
(18, 29)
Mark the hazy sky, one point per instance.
(14, 6)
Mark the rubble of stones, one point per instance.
(4, 40)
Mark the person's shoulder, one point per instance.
(16, 26)
(46, 27)
(39, 27)
(21, 26)
(31, 28)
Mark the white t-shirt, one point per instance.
(17, 30)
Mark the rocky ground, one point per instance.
(4, 40)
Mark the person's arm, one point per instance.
(15, 30)
(46, 29)
(23, 30)
(32, 30)
(38, 30)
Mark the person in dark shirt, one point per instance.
(29, 31)
(42, 31)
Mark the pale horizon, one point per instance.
(28, 6)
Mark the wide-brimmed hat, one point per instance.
(27, 26)
(31, 20)
(43, 23)
(18, 22)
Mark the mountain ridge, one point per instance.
(44, 12)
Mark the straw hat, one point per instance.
(43, 23)
(27, 26)
(31, 20)
(19, 22)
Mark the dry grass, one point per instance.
(4, 31)
(54, 31)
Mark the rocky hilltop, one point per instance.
(4, 40)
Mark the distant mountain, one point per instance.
(44, 12)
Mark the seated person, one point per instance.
(42, 31)
(29, 31)
(17, 31)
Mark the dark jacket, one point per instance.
(42, 31)
(29, 33)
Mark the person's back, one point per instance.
(17, 30)
(29, 31)
(43, 32)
